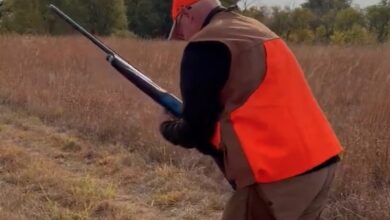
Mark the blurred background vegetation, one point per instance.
(315, 21)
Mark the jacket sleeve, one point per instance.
(204, 71)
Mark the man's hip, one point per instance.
(301, 197)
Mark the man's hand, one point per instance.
(168, 124)
(174, 130)
(178, 132)
(165, 116)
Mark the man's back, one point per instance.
(271, 127)
(277, 148)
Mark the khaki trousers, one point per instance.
(298, 198)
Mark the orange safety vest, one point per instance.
(271, 127)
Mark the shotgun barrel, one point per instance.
(170, 102)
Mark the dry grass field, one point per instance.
(77, 141)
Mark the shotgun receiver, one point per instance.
(171, 103)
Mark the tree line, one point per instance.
(328, 21)
(315, 21)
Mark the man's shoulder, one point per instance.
(206, 48)
(230, 26)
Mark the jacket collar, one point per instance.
(211, 15)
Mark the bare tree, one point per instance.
(246, 4)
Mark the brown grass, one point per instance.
(66, 83)
(43, 176)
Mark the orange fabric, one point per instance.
(281, 128)
(216, 139)
(178, 5)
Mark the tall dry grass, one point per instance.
(353, 87)
(66, 82)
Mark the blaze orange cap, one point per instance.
(177, 5)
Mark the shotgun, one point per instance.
(171, 103)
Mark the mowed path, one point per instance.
(50, 173)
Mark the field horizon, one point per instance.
(78, 141)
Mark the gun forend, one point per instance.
(171, 103)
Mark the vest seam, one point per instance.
(254, 44)
(252, 171)
(260, 83)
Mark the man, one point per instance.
(246, 101)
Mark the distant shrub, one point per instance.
(124, 34)
(302, 36)
(355, 35)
